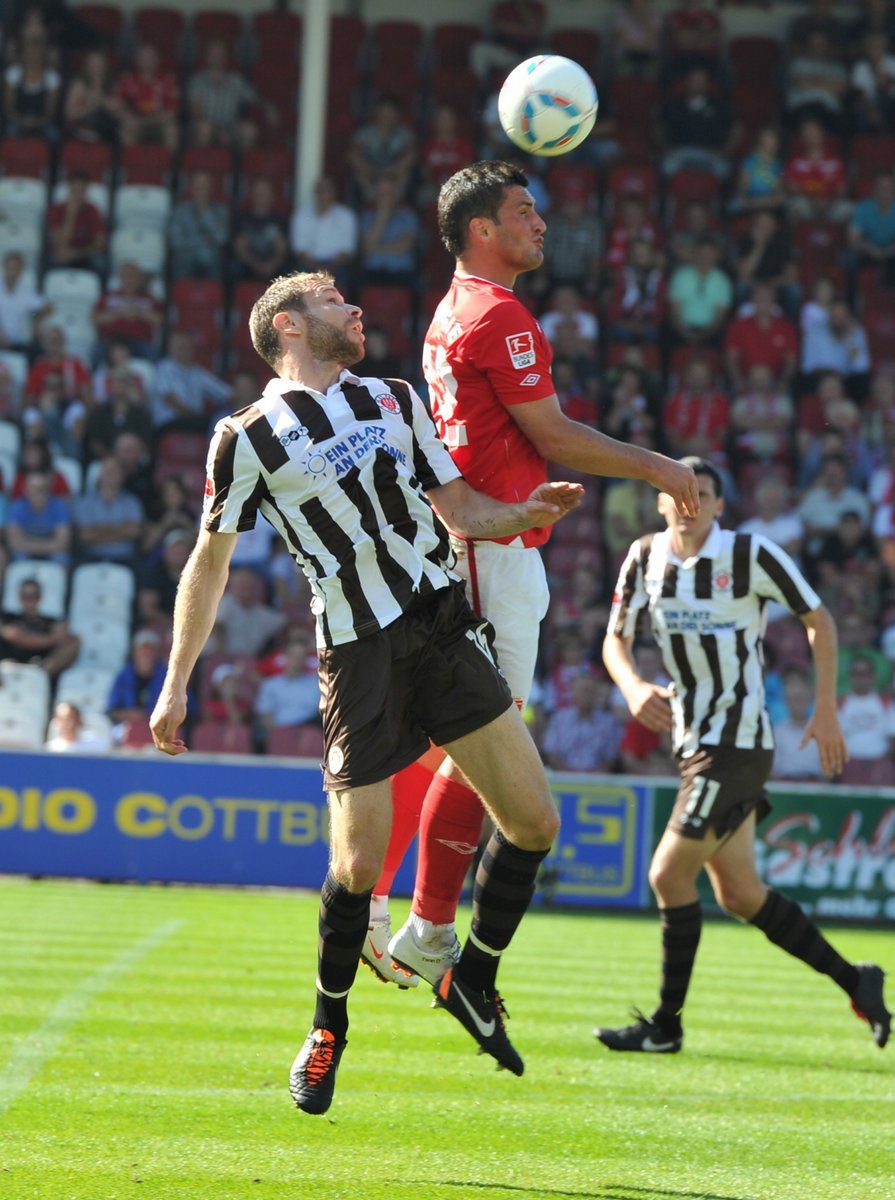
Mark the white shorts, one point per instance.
(508, 586)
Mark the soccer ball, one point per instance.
(547, 105)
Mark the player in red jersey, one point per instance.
(487, 364)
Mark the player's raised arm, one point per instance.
(195, 609)
(473, 514)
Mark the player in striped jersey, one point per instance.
(705, 590)
(348, 469)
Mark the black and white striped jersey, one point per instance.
(341, 477)
(708, 617)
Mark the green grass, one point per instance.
(146, 1036)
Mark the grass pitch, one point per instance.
(146, 1035)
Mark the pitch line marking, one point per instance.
(30, 1054)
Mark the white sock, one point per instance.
(434, 936)
(378, 907)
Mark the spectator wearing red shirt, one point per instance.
(444, 152)
(129, 312)
(77, 229)
(54, 360)
(761, 420)
(762, 338)
(633, 223)
(693, 36)
(35, 455)
(697, 416)
(637, 305)
(815, 177)
(150, 100)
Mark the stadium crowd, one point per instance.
(719, 280)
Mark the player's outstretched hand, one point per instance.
(648, 703)
(823, 726)
(550, 502)
(679, 482)
(167, 717)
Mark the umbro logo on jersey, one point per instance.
(522, 349)
(529, 381)
(389, 403)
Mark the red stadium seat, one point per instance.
(583, 46)
(181, 447)
(93, 158)
(819, 242)
(209, 24)
(451, 44)
(217, 160)
(25, 157)
(458, 87)
(189, 297)
(406, 84)
(276, 35)
(242, 352)
(296, 741)
(152, 165)
(212, 737)
(107, 18)
(390, 307)
(869, 154)
(633, 179)
(682, 356)
(163, 28)
(397, 44)
(880, 326)
(563, 175)
(687, 185)
(754, 56)
(273, 163)
(652, 358)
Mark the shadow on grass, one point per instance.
(845, 1068)
(605, 1191)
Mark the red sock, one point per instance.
(450, 828)
(408, 792)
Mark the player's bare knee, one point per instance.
(739, 898)
(533, 831)
(357, 870)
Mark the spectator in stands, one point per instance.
(131, 452)
(21, 306)
(837, 342)
(697, 222)
(220, 101)
(158, 578)
(291, 697)
(10, 395)
(696, 417)
(643, 752)
(878, 17)
(841, 434)
(629, 412)
(39, 524)
(260, 248)
(873, 85)
(169, 511)
(246, 623)
(815, 177)
(583, 735)
(816, 83)
(71, 735)
(383, 148)
(636, 38)
(850, 547)
(389, 230)
(828, 498)
(762, 338)
(628, 510)
(35, 455)
(379, 358)
(775, 518)
(27, 636)
(631, 223)
(872, 232)
(108, 518)
(91, 111)
(125, 411)
(54, 359)
(138, 684)
(637, 307)
(700, 298)
(693, 38)
(31, 88)
(820, 19)
(763, 257)
(129, 313)
(794, 758)
(573, 249)
(149, 101)
(443, 153)
(699, 131)
(118, 359)
(184, 393)
(578, 604)
(565, 304)
(516, 31)
(198, 230)
(56, 416)
(323, 234)
(867, 718)
(857, 639)
(761, 419)
(76, 228)
(760, 178)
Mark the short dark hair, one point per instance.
(474, 191)
(702, 466)
(288, 291)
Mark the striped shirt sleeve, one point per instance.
(233, 484)
(776, 577)
(630, 594)
(433, 464)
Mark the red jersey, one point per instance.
(89, 223)
(485, 352)
(74, 373)
(687, 415)
(758, 346)
(149, 96)
(816, 177)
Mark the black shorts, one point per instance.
(720, 786)
(432, 674)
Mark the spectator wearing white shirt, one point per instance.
(565, 306)
(245, 622)
(775, 518)
(835, 341)
(873, 83)
(825, 502)
(867, 718)
(70, 735)
(324, 234)
(184, 393)
(794, 758)
(292, 697)
(20, 305)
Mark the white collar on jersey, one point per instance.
(282, 387)
(710, 547)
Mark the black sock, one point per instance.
(681, 929)
(342, 927)
(504, 886)
(784, 923)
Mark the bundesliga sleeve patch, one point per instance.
(522, 350)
